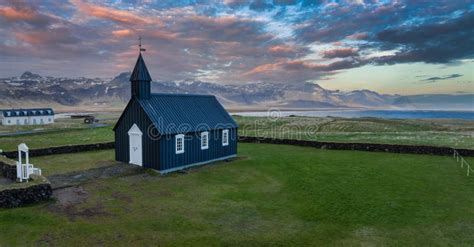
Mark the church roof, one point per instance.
(184, 113)
(140, 72)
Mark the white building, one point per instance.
(27, 116)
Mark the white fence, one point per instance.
(459, 158)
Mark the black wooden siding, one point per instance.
(134, 114)
(192, 149)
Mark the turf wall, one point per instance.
(389, 148)
(63, 149)
(36, 190)
(7, 168)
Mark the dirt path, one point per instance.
(76, 178)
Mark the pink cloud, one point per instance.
(340, 52)
(52, 37)
(120, 16)
(122, 33)
(13, 14)
(281, 49)
(358, 36)
(23, 12)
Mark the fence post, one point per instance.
(462, 162)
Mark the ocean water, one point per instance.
(388, 114)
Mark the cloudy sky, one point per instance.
(406, 47)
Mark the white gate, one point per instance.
(135, 144)
(24, 170)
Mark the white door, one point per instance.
(135, 144)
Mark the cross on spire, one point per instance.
(140, 44)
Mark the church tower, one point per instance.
(140, 78)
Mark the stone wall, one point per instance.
(7, 168)
(390, 148)
(63, 149)
(16, 195)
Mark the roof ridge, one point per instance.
(182, 94)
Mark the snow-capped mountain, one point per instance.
(34, 88)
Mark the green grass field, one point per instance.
(449, 133)
(59, 138)
(435, 132)
(271, 195)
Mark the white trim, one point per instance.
(135, 130)
(225, 137)
(196, 164)
(204, 140)
(179, 137)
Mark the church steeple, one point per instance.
(140, 78)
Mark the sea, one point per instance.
(387, 114)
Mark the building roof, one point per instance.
(140, 72)
(184, 113)
(27, 112)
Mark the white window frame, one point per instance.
(204, 140)
(225, 137)
(179, 137)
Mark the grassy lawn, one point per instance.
(63, 163)
(449, 133)
(271, 195)
(58, 138)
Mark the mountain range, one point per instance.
(34, 89)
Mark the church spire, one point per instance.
(140, 77)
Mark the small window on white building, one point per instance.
(225, 137)
(25, 121)
(18, 122)
(180, 144)
(204, 140)
(9, 121)
(49, 119)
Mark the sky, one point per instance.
(394, 47)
